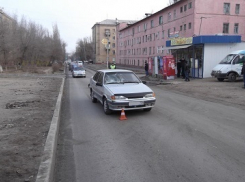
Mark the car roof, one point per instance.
(114, 70)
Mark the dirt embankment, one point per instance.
(27, 103)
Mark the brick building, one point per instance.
(201, 31)
(105, 30)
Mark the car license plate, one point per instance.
(136, 103)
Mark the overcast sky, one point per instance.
(75, 18)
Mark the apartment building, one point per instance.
(201, 31)
(105, 30)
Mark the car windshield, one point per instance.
(120, 77)
(78, 68)
(228, 59)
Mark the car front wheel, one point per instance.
(232, 77)
(106, 107)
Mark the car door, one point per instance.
(237, 64)
(100, 87)
(93, 83)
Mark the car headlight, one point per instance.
(150, 95)
(120, 97)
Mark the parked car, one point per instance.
(78, 72)
(230, 67)
(120, 89)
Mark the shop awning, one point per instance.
(176, 47)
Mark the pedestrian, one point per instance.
(183, 62)
(243, 73)
(178, 68)
(187, 71)
(146, 69)
(113, 65)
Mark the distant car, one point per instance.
(72, 66)
(120, 89)
(79, 63)
(78, 72)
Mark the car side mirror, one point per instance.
(98, 84)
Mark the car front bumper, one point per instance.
(131, 104)
(218, 75)
(79, 74)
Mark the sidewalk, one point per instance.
(140, 72)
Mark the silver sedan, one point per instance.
(120, 89)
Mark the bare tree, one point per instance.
(27, 43)
(84, 49)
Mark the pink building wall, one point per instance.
(215, 17)
(205, 17)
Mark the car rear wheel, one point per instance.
(94, 100)
(220, 79)
(232, 77)
(106, 107)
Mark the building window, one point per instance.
(226, 28)
(180, 28)
(113, 45)
(168, 32)
(184, 26)
(237, 11)
(152, 23)
(145, 26)
(174, 29)
(226, 8)
(133, 31)
(236, 28)
(185, 7)
(174, 13)
(169, 16)
(189, 25)
(114, 52)
(160, 20)
(190, 5)
(163, 34)
(138, 28)
(149, 50)
(181, 9)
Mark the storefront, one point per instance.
(197, 54)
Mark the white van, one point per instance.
(230, 67)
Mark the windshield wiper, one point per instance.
(115, 83)
(131, 82)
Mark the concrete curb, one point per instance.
(46, 168)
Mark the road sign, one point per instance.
(104, 41)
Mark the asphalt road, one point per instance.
(181, 139)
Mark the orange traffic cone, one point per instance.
(123, 116)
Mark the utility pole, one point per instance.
(84, 51)
(107, 32)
